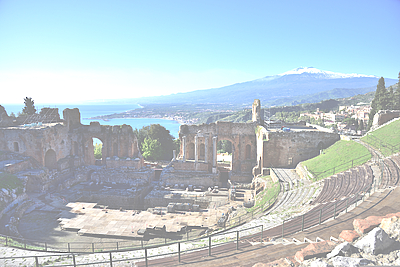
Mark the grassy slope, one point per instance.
(337, 158)
(387, 137)
(269, 193)
(9, 181)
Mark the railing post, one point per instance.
(69, 248)
(6, 241)
(110, 260)
(73, 259)
(93, 247)
(36, 261)
(209, 245)
(45, 246)
(145, 256)
(179, 251)
(262, 230)
(237, 240)
(142, 242)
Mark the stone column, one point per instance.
(184, 148)
(196, 150)
(214, 169)
(206, 149)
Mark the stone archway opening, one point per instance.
(16, 147)
(225, 155)
(97, 150)
(50, 159)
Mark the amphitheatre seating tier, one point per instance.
(345, 184)
(390, 174)
(349, 187)
(396, 159)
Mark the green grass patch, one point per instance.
(10, 181)
(267, 195)
(339, 157)
(385, 139)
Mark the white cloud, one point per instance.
(76, 86)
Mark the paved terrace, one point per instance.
(125, 224)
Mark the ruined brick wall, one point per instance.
(192, 166)
(36, 142)
(124, 162)
(383, 116)
(65, 145)
(286, 149)
(123, 176)
(241, 135)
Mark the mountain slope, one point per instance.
(295, 86)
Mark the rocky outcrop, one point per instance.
(320, 249)
(380, 246)
(349, 235)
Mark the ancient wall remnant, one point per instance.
(383, 116)
(254, 147)
(199, 146)
(58, 144)
(286, 149)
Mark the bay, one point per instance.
(93, 110)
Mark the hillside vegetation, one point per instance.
(386, 139)
(10, 181)
(337, 158)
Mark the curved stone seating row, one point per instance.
(293, 200)
(345, 184)
(396, 159)
(390, 174)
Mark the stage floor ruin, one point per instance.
(89, 219)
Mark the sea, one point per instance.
(93, 110)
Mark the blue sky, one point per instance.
(72, 51)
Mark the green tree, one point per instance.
(361, 125)
(391, 99)
(162, 135)
(29, 108)
(152, 149)
(380, 101)
(98, 151)
(396, 96)
(224, 146)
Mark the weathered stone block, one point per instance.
(349, 262)
(320, 249)
(391, 226)
(349, 235)
(343, 249)
(363, 226)
(376, 241)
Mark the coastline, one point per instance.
(179, 121)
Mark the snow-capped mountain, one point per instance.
(300, 85)
(323, 73)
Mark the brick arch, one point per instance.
(50, 159)
(239, 134)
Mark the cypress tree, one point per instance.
(380, 101)
(396, 96)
